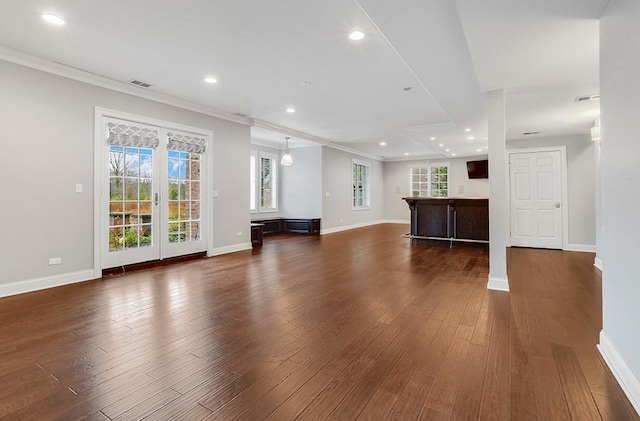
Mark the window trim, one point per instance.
(367, 186)
(429, 166)
(258, 154)
(253, 184)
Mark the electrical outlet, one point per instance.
(55, 261)
(78, 188)
(239, 233)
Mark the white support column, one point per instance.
(498, 194)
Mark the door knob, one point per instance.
(557, 204)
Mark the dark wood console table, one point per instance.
(447, 218)
(257, 232)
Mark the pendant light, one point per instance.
(286, 158)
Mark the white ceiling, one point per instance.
(544, 53)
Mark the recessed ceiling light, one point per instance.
(406, 153)
(453, 154)
(447, 150)
(305, 83)
(467, 130)
(441, 144)
(291, 110)
(470, 138)
(433, 138)
(383, 143)
(356, 35)
(210, 79)
(53, 19)
(478, 150)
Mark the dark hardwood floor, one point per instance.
(355, 325)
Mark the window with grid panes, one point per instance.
(429, 180)
(419, 182)
(184, 196)
(361, 175)
(439, 183)
(267, 183)
(263, 182)
(130, 197)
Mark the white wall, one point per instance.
(581, 184)
(620, 191)
(301, 184)
(337, 212)
(46, 132)
(396, 184)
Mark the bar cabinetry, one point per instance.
(453, 219)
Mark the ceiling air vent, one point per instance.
(591, 97)
(139, 83)
(528, 133)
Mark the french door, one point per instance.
(151, 203)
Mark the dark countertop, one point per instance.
(444, 198)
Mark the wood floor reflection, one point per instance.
(354, 325)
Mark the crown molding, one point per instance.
(322, 141)
(72, 73)
(422, 128)
(265, 143)
(416, 158)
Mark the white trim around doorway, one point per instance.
(101, 113)
(564, 194)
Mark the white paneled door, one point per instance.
(536, 199)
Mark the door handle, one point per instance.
(157, 199)
(557, 204)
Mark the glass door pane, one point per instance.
(184, 219)
(131, 220)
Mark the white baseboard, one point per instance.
(627, 380)
(229, 249)
(30, 285)
(37, 284)
(350, 227)
(498, 284)
(395, 221)
(597, 262)
(588, 248)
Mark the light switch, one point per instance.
(327, 194)
(78, 188)
(215, 193)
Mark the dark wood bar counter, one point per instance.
(449, 218)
